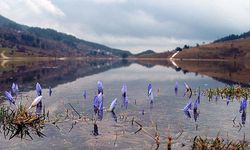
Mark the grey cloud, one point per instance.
(144, 24)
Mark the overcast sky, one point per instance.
(135, 25)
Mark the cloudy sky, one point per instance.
(135, 25)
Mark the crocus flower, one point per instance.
(114, 116)
(85, 94)
(9, 97)
(142, 112)
(100, 101)
(243, 117)
(188, 90)
(150, 89)
(199, 96)
(187, 113)
(196, 114)
(39, 109)
(124, 89)
(228, 99)
(50, 91)
(113, 104)
(100, 114)
(216, 98)
(150, 93)
(196, 104)
(188, 105)
(95, 104)
(100, 87)
(126, 102)
(38, 89)
(14, 88)
(36, 101)
(243, 105)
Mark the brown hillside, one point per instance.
(235, 49)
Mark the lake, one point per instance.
(69, 79)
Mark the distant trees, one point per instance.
(186, 47)
(124, 55)
(178, 49)
(9, 37)
(233, 37)
(27, 38)
(227, 38)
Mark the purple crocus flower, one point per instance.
(124, 95)
(187, 113)
(196, 114)
(196, 104)
(124, 89)
(150, 89)
(100, 87)
(126, 102)
(188, 90)
(142, 112)
(85, 94)
(199, 96)
(9, 97)
(216, 98)
(95, 104)
(150, 93)
(14, 88)
(243, 117)
(100, 101)
(114, 116)
(38, 89)
(113, 104)
(228, 99)
(188, 106)
(50, 91)
(243, 105)
(100, 115)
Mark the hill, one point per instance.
(237, 49)
(233, 37)
(147, 52)
(48, 42)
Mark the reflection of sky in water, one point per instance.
(166, 111)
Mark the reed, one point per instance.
(231, 92)
(20, 122)
(218, 143)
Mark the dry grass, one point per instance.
(231, 92)
(20, 122)
(218, 143)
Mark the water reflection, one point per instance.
(52, 72)
(70, 79)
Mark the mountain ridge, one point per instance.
(49, 42)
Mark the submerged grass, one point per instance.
(218, 143)
(231, 92)
(21, 122)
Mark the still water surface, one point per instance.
(69, 79)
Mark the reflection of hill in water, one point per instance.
(229, 72)
(51, 73)
(55, 72)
